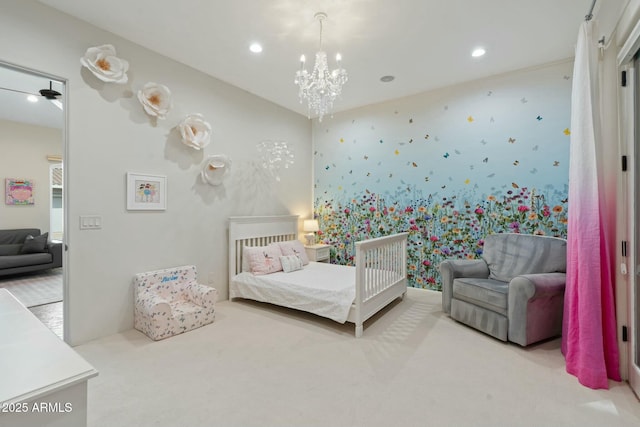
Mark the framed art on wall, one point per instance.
(19, 192)
(146, 192)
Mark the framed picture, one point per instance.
(19, 192)
(146, 192)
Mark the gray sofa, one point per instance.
(25, 249)
(515, 292)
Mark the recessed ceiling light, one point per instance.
(32, 98)
(255, 47)
(387, 79)
(478, 52)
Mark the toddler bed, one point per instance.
(340, 293)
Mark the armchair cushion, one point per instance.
(452, 268)
(509, 255)
(487, 293)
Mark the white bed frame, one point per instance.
(381, 263)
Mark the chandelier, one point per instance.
(320, 87)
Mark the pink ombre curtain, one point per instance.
(589, 330)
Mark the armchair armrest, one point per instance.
(202, 295)
(453, 268)
(535, 307)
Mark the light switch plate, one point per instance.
(90, 222)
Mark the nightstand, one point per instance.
(318, 253)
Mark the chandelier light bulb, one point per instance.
(302, 59)
(338, 57)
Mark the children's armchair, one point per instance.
(171, 301)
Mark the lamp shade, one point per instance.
(311, 225)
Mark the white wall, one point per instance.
(109, 135)
(23, 155)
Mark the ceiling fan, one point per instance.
(50, 94)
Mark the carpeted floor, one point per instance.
(260, 365)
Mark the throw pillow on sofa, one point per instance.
(34, 245)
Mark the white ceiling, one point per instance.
(425, 44)
(14, 105)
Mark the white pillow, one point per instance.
(294, 247)
(290, 263)
(262, 259)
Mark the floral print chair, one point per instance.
(171, 301)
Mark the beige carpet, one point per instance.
(259, 365)
(34, 289)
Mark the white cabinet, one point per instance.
(318, 253)
(44, 381)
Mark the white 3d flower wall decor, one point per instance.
(215, 168)
(196, 133)
(275, 155)
(105, 65)
(155, 99)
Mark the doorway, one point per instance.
(633, 292)
(33, 117)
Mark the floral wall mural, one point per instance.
(448, 167)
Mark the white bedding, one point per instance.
(327, 290)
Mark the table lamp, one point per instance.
(312, 226)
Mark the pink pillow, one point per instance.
(294, 247)
(263, 259)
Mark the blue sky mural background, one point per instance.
(448, 166)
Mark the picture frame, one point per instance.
(19, 192)
(146, 192)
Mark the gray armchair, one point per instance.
(515, 292)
